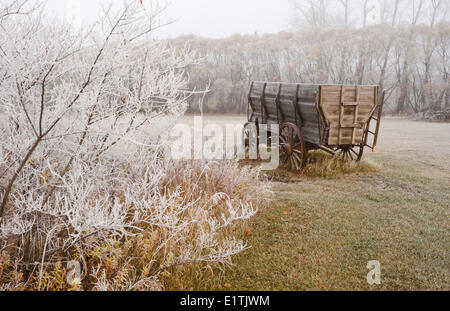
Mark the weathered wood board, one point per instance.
(287, 102)
(346, 111)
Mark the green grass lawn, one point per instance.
(319, 233)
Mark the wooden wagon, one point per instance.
(333, 118)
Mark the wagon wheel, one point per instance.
(292, 147)
(351, 152)
(249, 136)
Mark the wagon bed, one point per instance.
(334, 118)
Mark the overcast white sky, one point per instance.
(209, 18)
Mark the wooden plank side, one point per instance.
(271, 102)
(271, 108)
(311, 133)
(346, 136)
(272, 89)
(348, 114)
(307, 108)
(304, 113)
(256, 109)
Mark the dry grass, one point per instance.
(200, 229)
(321, 165)
(205, 180)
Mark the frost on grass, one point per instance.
(84, 172)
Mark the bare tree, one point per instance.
(366, 10)
(346, 7)
(404, 76)
(310, 13)
(388, 48)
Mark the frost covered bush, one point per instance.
(83, 169)
(130, 230)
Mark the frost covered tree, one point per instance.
(82, 157)
(81, 91)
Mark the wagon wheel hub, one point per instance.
(288, 149)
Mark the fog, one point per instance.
(206, 18)
(400, 45)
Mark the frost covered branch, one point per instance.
(84, 172)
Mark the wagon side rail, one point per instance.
(376, 116)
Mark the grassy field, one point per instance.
(320, 232)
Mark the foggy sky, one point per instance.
(208, 18)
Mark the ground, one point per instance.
(320, 233)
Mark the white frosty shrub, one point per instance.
(83, 173)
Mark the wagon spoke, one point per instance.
(297, 158)
(352, 150)
(350, 154)
(296, 163)
(292, 147)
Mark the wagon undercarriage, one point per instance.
(333, 118)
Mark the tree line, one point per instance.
(410, 59)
